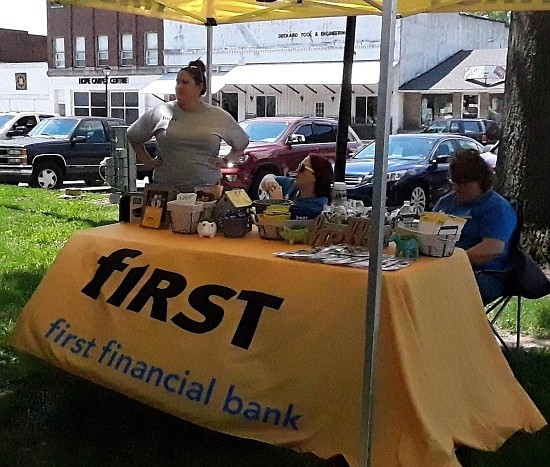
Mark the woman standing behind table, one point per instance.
(188, 134)
(309, 191)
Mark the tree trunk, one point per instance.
(523, 166)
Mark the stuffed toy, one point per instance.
(207, 228)
(406, 246)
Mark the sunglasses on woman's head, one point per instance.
(302, 167)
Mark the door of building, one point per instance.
(470, 106)
(230, 103)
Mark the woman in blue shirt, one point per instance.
(491, 220)
(309, 191)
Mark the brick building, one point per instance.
(22, 47)
(94, 54)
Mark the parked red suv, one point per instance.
(278, 144)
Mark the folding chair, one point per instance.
(523, 278)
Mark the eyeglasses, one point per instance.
(459, 181)
(302, 167)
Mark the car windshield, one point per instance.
(264, 131)
(56, 128)
(436, 127)
(404, 148)
(5, 119)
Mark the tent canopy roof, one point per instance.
(241, 11)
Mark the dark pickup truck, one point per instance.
(481, 129)
(59, 149)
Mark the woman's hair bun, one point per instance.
(198, 64)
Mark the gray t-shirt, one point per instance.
(188, 142)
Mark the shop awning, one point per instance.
(467, 71)
(166, 85)
(329, 73)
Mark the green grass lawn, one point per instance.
(50, 418)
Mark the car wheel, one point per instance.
(254, 191)
(419, 199)
(47, 175)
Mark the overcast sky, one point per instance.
(27, 15)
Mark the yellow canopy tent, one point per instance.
(214, 12)
(241, 11)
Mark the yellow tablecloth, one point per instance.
(222, 333)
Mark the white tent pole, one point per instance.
(209, 42)
(376, 231)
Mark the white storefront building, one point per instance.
(295, 67)
(289, 67)
(25, 87)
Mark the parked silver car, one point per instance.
(20, 123)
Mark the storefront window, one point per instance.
(319, 109)
(81, 99)
(366, 109)
(89, 104)
(436, 107)
(124, 105)
(266, 106)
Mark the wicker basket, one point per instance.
(435, 245)
(270, 229)
(184, 217)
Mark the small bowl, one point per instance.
(262, 204)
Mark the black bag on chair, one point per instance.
(522, 278)
(527, 279)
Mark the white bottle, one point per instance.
(406, 214)
(339, 194)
